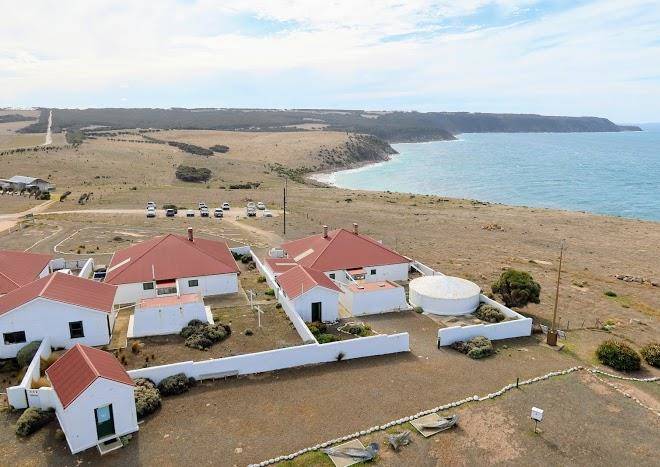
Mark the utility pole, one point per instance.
(285, 184)
(552, 333)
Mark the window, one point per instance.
(148, 286)
(332, 275)
(76, 329)
(17, 337)
(193, 283)
(373, 272)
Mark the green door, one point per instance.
(316, 312)
(105, 423)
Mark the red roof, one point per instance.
(341, 249)
(79, 367)
(299, 279)
(280, 265)
(62, 288)
(18, 268)
(170, 257)
(169, 300)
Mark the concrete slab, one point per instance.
(341, 461)
(420, 422)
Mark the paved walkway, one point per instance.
(119, 340)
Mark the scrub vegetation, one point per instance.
(618, 355)
(517, 288)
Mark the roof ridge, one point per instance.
(81, 349)
(131, 260)
(184, 239)
(329, 243)
(51, 277)
(9, 279)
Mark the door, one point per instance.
(105, 422)
(316, 312)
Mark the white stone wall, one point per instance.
(165, 320)
(374, 301)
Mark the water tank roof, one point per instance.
(444, 287)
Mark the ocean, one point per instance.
(606, 173)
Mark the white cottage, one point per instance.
(172, 265)
(95, 402)
(310, 293)
(167, 315)
(67, 309)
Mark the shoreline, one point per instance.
(325, 178)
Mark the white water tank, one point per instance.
(444, 295)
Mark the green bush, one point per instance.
(476, 348)
(270, 292)
(200, 335)
(27, 353)
(326, 338)
(609, 293)
(175, 384)
(187, 173)
(261, 279)
(517, 288)
(246, 258)
(651, 353)
(147, 397)
(489, 313)
(317, 328)
(361, 330)
(219, 148)
(618, 355)
(32, 419)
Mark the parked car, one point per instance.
(202, 206)
(204, 212)
(225, 206)
(151, 204)
(267, 213)
(261, 206)
(170, 213)
(151, 212)
(251, 205)
(251, 211)
(218, 212)
(190, 213)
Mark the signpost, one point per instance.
(537, 416)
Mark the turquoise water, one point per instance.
(606, 173)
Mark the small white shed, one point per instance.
(310, 293)
(167, 315)
(95, 402)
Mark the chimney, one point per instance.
(190, 234)
(325, 231)
(355, 228)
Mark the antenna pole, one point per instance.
(285, 184)
(552, 333)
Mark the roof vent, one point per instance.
(355, 228)
(190, 234)
(325, 231)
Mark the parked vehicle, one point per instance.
(267, 213)
(190, 213)
(261, 206)
(251, 205)
(170, 213)
(151, 212)
(225, 206)
(151, 204)
(217, 212)
(251, 211)
(202, 206)
(204, 212)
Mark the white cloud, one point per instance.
(569, 61)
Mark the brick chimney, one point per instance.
(355, 228)
(325, 231)
(190, 234)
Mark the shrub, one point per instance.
(609, 293)
(618, 355)
(193, 174)
(517, 288)
(175, 384)
(361, 330)
(261, 279)
(326, 338)
(27, 353)
(418, 309)
(489, 313)
(651, 353)
(32, 419)
(477, 347)
(246, 259)
(147, 397)
(249, 332)
(201, 335)
(317, 327)
(219, 148)
(135, 347)
(270, 292)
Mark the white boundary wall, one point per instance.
(88, 269)
(22, 396)
(519, 326)
(297, 321)
(279, 359)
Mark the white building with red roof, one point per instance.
(67, 309)
(94, 399)
(18, 268)
(312, 294)
(171, 265)
(340, 253)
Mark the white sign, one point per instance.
(537, 414)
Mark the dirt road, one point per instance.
(7, 221)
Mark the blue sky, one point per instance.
(550, 57)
